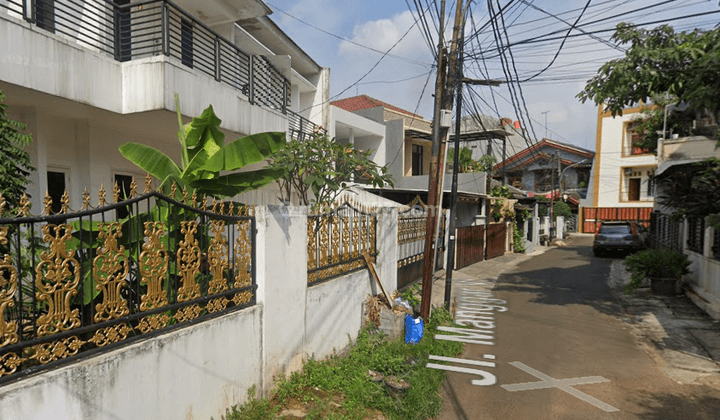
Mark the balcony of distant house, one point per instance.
(135, 56)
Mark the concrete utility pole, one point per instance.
(443, 101)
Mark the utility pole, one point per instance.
(443, 101)
(450, 264)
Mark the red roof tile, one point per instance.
(357, 103)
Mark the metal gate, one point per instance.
(592, 215)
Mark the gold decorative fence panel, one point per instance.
(77, 281)
(337, 237)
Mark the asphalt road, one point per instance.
(563, 331)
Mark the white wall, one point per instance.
(191, 373)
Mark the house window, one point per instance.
(633, 138)
(45, 14)
(650, 187)
(417, 159)
(186, 42)
(123, 181)
(56, 187)
(634, 189)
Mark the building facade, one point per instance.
(622, 172)
(87, 77)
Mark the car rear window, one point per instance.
(615, 230)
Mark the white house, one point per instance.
(621, 171)
(89, 76)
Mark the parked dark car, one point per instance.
(617, 236)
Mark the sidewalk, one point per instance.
(681, 338)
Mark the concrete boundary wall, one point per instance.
(196, 372)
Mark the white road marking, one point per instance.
(563, 384)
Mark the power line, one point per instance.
(349, 40)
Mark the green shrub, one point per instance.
(658, 263)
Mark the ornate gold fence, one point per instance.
(74, 283)
(337, 238)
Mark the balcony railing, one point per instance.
(158, 27)
(300, 128)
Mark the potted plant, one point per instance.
(663, 268)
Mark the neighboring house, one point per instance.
(89, 76)
(406, 149)
(622, 172)
(548, 166)
(621, 183)
(485, 135)
(692, 235)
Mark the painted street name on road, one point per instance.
(475, 308)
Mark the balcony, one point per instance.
(154, 28)
(300, 128)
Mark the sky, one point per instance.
(379, 48)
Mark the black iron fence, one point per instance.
(158, 27)
(337, 239)
(76, 283)
(665, 232)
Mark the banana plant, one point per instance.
(206, 160)
(208, 167)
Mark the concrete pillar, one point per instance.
(282, 286)
(386, 262)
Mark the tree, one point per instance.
(205, 157)
(659, 62)
(320, 168)
(14, 160)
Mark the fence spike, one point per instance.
(47, 204)
(231, 208)
(185, 195)
(133, 188)
(116, 192)
(148, 184)
(3, 203)
(86, 199)
(101, 196)
(65, 201)
(173, 190)
(214, 205)
(203, 203)
(194, 198)
(24, 205)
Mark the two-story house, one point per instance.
(621, 185)
(88, 76)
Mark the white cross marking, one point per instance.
(563, 384)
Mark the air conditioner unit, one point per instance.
(628, 171)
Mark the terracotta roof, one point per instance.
(357, 103)
(537, 146)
